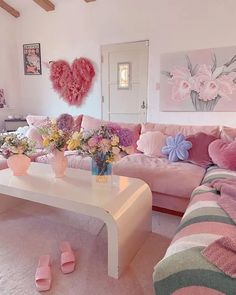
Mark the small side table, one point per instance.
(13, 124)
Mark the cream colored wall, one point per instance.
(77, 29)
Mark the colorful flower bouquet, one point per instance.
(16, 149)
(57, 132)
(205, 84)
(13, 144)
(104, 145)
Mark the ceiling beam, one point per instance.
(9, 8)
(45, 4)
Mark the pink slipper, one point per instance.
(43, 275)
(67, 258)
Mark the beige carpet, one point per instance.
(32, 230)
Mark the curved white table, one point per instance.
(125, 206)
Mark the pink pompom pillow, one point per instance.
(198, 154)
(151, 143)
(223, 154)
(33, 134)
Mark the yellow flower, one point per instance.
(46, 142)
(114, 140)
(73, 144)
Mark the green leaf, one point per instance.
(214, 62)
(168, 74)
(190, 67)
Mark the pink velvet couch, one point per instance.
(171, 183)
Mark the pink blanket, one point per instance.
(222, 253)
(227, 198)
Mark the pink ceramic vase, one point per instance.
(59, 163)
(19, 164)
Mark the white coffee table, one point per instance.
(125, 206)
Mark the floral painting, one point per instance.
(201, 80)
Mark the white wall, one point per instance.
(78, 29)
(8, 64)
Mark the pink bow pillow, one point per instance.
(223, 154)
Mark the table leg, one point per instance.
(127, 230)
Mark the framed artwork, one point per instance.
(200, 80)
(32, 59)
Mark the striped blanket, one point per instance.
(183, 270)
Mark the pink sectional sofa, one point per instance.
(171, 182)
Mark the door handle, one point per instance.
(143, 105)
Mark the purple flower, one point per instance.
(126, 137)
(65, 122)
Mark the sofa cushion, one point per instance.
(177, 148)
(33, 134)
(151, 143)
(199, 154)
(223, 154)
(35, 120)
(228, 134)
(172, 178)
(89, 123)
(171, 129)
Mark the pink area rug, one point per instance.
(31, 230)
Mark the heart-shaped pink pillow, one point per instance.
(223, 154)
(72, 83)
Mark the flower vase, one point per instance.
(58, 163)
(19, 164)
(102, 170)
(202, 105)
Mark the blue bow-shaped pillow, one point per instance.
(176, 148)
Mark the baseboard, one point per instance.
(168, 211)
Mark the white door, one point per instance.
(124, 82)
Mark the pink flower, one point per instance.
(205, 84)
(202, 75)
(209, 90)
(92, 141)
(104, 145)
(182, 83)
(226, 85)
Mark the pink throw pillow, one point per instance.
(151, 143)
(33, 134)
(198, 154)
(228, 134)
(35, 120)
(89, 123)
(77, 122)
(223, 154)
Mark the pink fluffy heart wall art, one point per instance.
(73, 82)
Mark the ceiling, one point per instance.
(17, 6)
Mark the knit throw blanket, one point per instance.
(222, 252)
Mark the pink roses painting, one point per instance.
(204, 84)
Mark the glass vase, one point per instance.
(58, 163)
(102, 170)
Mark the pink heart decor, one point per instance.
(72, 83)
